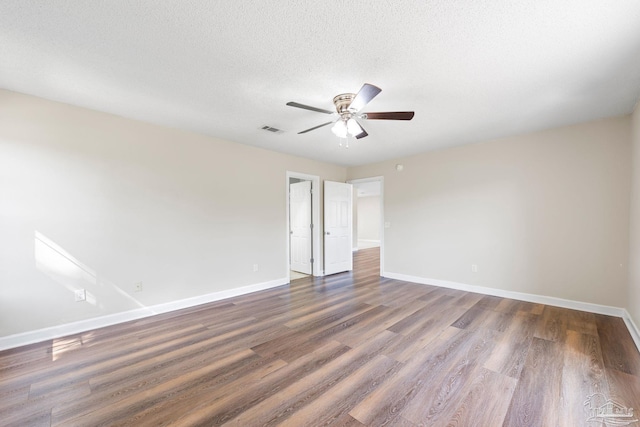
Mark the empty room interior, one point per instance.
(320, 213)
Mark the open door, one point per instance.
(338, 225)
(300, 223)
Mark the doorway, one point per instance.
(368, 215)
(303, 219)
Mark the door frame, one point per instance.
(379, 179)
(300, 233)
(316, 253)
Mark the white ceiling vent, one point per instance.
(271, 129)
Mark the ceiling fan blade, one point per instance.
(362, 133)
(306, 107)
(390, 115)
(315, 127)
(365, 95)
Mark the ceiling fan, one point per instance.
(348, 106)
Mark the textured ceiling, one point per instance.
(471, 70)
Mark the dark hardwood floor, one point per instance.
(350, 349)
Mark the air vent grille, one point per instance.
(271, 129)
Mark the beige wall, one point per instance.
(90, 200)
(94, 201)
(368, 218)
(545, 213)
(633, 305)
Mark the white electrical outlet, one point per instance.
(255, 267)
(137, 287)
(81, 295)
(474, 268)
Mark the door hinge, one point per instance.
(311, 260)
(311, 226)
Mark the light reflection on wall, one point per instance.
(63, 268)
(66, 270)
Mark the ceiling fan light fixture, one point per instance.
(339, 129)
(353, 127)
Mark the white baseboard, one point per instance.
(53, 332)
(633, 328)
(39, 335)
(367, 243)
(521, 296)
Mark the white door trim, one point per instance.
(300, 238)
(380, 179)
(315, 218)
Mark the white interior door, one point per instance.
(300, 223)
(338, 227)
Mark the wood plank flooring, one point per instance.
(351, 349)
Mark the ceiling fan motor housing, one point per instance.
(342, 103)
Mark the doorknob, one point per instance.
(328, 233)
